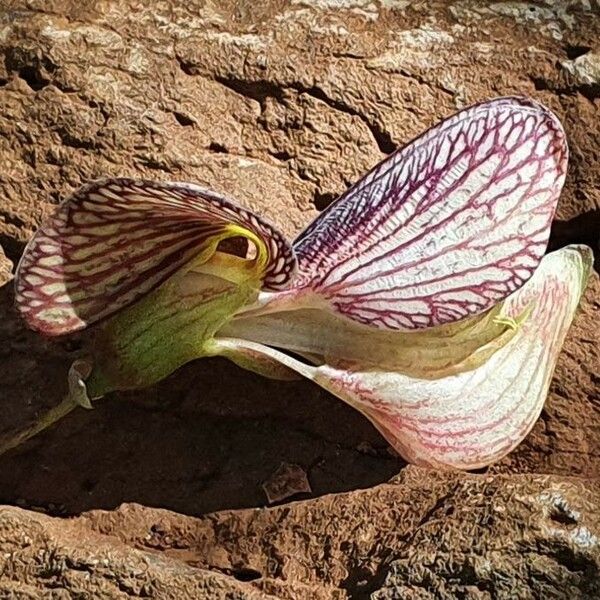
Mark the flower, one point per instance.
(416, 297)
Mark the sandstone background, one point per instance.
(281, 104)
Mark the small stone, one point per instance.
(585, 69)
(288, 480)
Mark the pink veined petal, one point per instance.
(116, 240)
(444, 228)
(475, 418)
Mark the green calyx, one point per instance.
(171, 326)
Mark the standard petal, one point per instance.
(444, 228)
(116, 240)
(473, 418)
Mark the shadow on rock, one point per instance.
(203, 440)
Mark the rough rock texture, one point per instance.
(44, 557)
(281, 104)
(6, 268)
(425, 535)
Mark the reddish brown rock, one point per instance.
(424, 535)
(281, 105)
(44, 557)
(6, 268)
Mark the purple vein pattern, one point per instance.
(445, 227)
(116, 240)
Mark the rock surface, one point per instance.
(423, 535)
(281, 105)
(6, 269)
